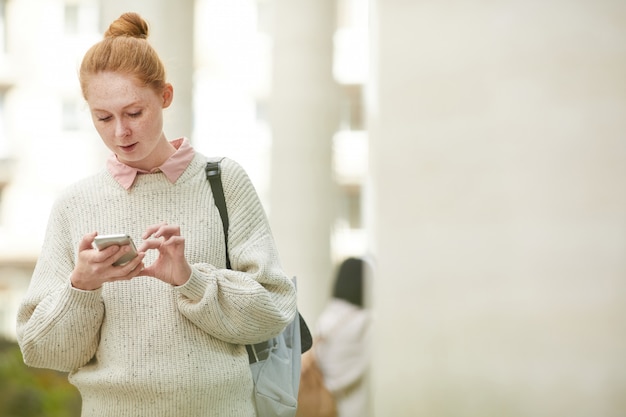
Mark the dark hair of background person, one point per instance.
(349, 281)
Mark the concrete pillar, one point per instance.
(304, 117)
(171, 34)
(498, 172)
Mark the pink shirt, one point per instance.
(172, 168)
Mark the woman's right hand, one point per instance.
(94, 268)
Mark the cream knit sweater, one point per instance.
(143, 347)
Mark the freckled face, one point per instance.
(129, 118)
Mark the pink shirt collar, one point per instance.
(172, 168)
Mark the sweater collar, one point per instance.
(173, 168)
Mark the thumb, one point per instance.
(87, 241)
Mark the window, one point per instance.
(70, 19)
(350, 205)
(74, 116)
(3, 27)
(352, 107)
(80, 17)
(265, 15)
(3, 137)
(6, 162)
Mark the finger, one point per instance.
(133, 274)
(110, 254)
(161, 242)
(151, 244)
(87, 241)
(152, 229)
(135, 266)
(167, 230)
(173, 241)
(128, 270)
(149, 271)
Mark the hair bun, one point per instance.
(128, 24)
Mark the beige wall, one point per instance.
(498, 205)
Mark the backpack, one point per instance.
(275, 364)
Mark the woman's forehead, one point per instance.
(110, 89)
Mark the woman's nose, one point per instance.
(121, 129)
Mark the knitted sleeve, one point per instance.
(57, 325)
(255, 300)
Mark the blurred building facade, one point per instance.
(45, 137)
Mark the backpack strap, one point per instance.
(213, 172)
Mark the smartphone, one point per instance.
(104, 241)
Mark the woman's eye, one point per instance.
(104, 118)
(136, 114)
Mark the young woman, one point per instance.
(164, 334)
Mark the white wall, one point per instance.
(498, 205)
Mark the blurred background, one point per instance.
(473, 151)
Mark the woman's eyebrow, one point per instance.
(136, 103)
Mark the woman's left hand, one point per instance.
(171, 265)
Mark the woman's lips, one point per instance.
(128, 148)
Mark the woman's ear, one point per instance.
(167, 95)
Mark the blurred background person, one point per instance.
(341, 344)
